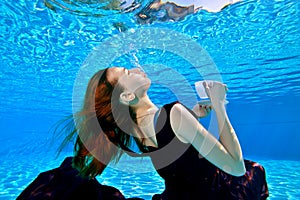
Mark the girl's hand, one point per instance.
(201, 110)
(216, 91)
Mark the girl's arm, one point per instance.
(226, 153)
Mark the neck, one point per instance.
(148, 113)
(145, 113)
(145, 107)
(147, 129)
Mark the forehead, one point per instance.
(114, 73)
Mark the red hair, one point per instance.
(99, 136)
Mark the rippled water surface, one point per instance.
(255, 46)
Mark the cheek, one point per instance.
(129, 83)
(135, 83)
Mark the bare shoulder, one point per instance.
(180, 110)
(177, 108)
(183, 123)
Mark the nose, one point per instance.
(137, 71)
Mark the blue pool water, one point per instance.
(254, 44)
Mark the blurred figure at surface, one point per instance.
(145, 11)
(175, 10)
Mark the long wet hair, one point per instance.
(97, 127)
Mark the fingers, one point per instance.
(202, 110)
(207, 88)
(206, 108)
(208, 85)
(226, 88)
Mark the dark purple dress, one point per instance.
(64, 183)
(189, 177)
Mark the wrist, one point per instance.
(216, 103)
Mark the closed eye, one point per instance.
(126, 71)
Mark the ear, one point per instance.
(126, 97)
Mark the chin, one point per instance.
(148, 84)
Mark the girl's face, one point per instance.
(133, 80)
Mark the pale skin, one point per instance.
(225, 153)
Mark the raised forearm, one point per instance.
(228, 137)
